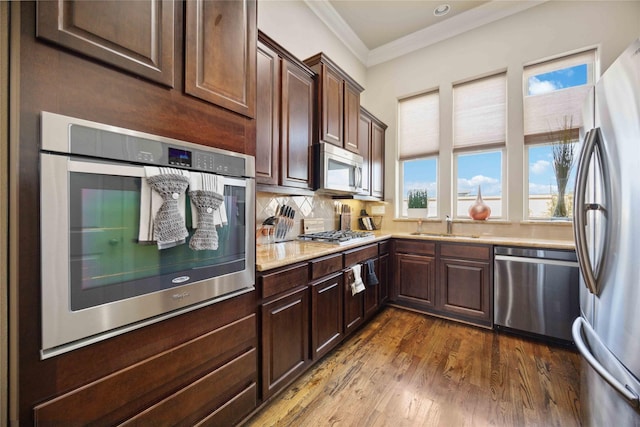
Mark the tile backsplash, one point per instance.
(317, 207)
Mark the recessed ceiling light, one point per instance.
(441, 10)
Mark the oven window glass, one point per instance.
(109, 264)
(340, 174)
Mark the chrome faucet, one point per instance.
(449, 224)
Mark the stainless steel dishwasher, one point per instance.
(536, 291)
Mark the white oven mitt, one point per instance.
(357, 285)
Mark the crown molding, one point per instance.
(456, 25)
(328, 14)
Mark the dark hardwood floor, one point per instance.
(408, 369)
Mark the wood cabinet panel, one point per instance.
(220, 53)
(284, 279)
(200, 398)
(372, 291)
(297, 126)
(267, 115)
(326, 315)
(351, 118)
(364, 136)
(233, 411)
(449, 250)
(416, 280)
(285, 340)
(324, 266)
(383, 278)
(415, 247)
(136, 388)
(353, 305)
(136, 36)
(377, 160)
(361, 254)
(332, 107)
(465, 289)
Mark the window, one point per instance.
(479, 126)
(554, 93)
(418, 147)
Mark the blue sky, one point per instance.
(485, 169)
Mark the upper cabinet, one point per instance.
(139, 36)
(136, 36)
(220, 53)
(371, 136)
(284, 119)
(338, 104)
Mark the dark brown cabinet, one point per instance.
(220, 53)
(135, 36)
(372, 141)
(453, 280)
(354, 305)
(326, 314)
(383, 272)
(285, 327)
(284, 119)
(415, 274)
(338, 104)
(465, 283)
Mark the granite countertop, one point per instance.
(274, 255)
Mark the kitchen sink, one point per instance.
(452, 236)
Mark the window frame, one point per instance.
(401, 163)
(503, 169)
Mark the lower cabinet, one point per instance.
(285, 328)
(208, 380)
(326, 314)
(465, 283)
(448, 279)
(353, 304)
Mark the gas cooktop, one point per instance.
(338, 237)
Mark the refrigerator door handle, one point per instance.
(580, 325)
(581, 208)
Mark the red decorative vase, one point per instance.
(479, 210)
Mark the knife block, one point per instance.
(345, 221)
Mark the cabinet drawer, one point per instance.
(234, 410)
(357, 255)
(199, 398)
(321, 267)
(415, 247)
(384, 247)
(448, 250)
(283, 280)
(137, 387)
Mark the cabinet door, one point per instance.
(220, 53)
(465, 290)
(267, 116)
(416, 280)
(285, 340)
(377, 160)
(297, 127)
(332, 107)
(136, 36)
(326, 315)
(351, 119)
(372, 292)
(353, 305)
(383, 278)
(364, 135)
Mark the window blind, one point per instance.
(419, 126)
(546, 113)
(479, 112)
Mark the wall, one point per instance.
(550, 29)
(293, 25)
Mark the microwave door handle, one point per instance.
(358, 177)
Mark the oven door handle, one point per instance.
(102, 168)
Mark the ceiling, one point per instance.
(380, 30)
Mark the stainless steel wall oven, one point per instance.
(137, 228)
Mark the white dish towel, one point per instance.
(357, 285)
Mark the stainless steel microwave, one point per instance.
(337, 171)
(137, 228)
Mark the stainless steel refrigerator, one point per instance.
(607, 230)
